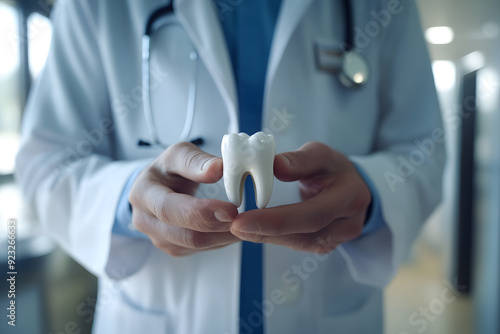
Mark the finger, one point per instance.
(175, 240)
(309, 216)
(311, 159)
(181, 210)
(177, 251)
(197, 240)
(187, 160)
(323, 241)
(298, 242)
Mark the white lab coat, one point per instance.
(85, 116)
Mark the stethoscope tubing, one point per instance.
(148, 112)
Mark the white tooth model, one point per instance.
(243, 155)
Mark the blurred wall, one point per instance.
(476, 46)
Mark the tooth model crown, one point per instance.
(243, 155)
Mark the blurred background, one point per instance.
(451, 281)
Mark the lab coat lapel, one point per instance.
(290, 15)
(199, 19)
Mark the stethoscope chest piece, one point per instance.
(354, 71)
(350, 67)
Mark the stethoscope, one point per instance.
(347, 63)
(151, 28)
(352, 70)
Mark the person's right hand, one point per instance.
(164, 208)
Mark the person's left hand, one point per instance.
(333, 210)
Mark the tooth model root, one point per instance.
(245, 155)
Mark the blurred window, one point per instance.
(10, 97)
(39, 35)
(39, 32)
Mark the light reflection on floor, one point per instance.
(414, 300)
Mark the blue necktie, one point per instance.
(249, 29)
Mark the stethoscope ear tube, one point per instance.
(160, 12)
(188, 124)
(146, 101)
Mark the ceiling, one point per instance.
(476, 24)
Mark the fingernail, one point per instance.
(250, 228)
(206, 164)
(286, 160)
(222, 216)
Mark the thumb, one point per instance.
(311, 159)
(187, 160)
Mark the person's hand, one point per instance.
(163, 206)
(333, 210)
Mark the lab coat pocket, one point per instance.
(128, 317)
(367, 319)
(328, 55)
